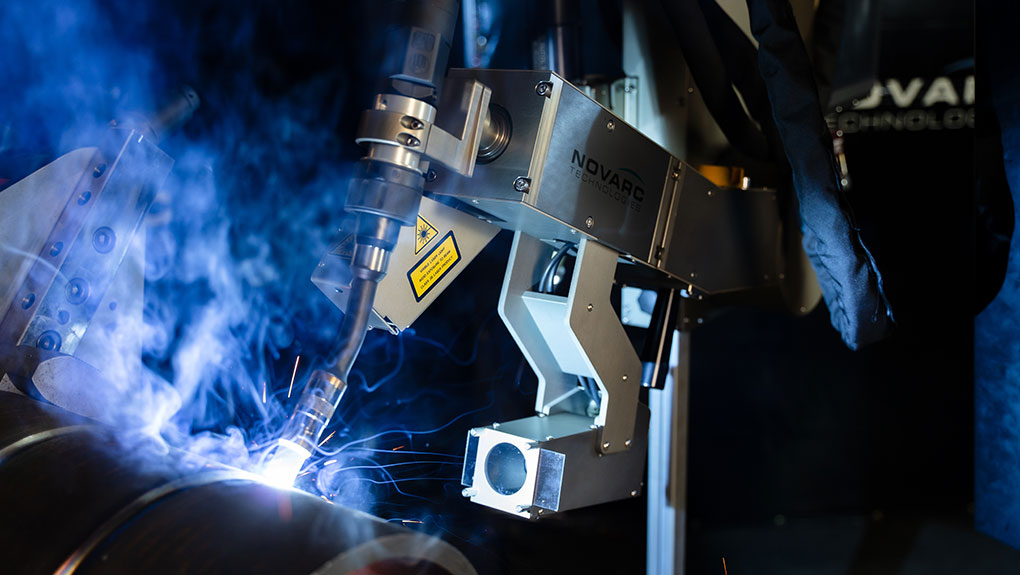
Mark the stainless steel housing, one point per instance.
(592, 175)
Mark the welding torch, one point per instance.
(385, 194)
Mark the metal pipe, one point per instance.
(80, 498)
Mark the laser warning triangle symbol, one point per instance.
(423, 234)
(345, 249)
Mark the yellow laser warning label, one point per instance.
(423, 234)
(434, 266)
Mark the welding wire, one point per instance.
(292, 376)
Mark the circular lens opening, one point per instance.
(505, 469)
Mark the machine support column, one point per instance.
(667, 465)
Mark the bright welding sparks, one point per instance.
(285, 463)
(293, 375)
(328, 437)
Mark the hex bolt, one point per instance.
(522, 508)
(468, 492)
(522, 184)
(540, 510)
(605, 445)
(544, 89)
(589, 222)
(474, 432)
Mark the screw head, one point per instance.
(627, 443)
(590, 307)
(605, 445)
(431, 176)
(77, 290)
(468, 492)
(633, 493)
(27, 301)
(103, 240)
(49, 340)
(610, 125)
(544, 89)
(522, 184)
(84, 197)
(589, 222)
(99, 170)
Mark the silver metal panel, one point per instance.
(396, 304)
(29, 210)
(557, 391)
(601, 175)
(550, 315)
(723, 239)
(86, 247)
(606, 349)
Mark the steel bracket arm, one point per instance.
(576, 335)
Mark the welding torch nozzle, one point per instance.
(314, 410)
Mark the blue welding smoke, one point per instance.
(254, 197)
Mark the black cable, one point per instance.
(710, 74)
(354, 325)
(545, 283)
(740, 58)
